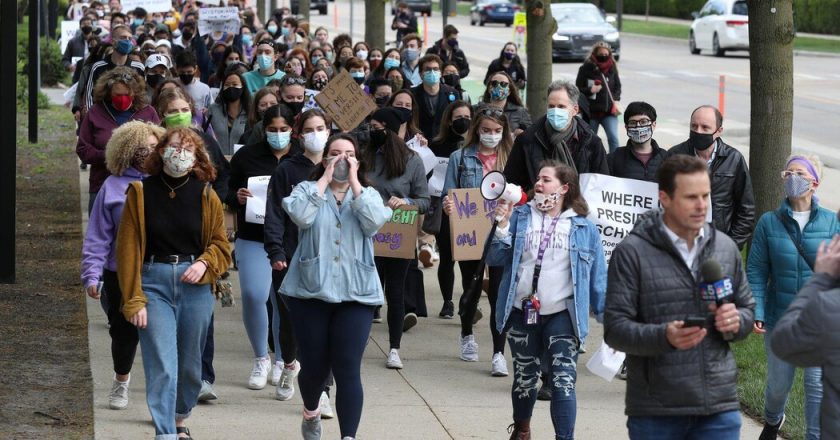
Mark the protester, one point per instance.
(322, 35)
(77, 46)
(450, 77)
(405, 22)
(681, 380)
(381, 91)
(733, 206)
(598, 79)
(374, 58)
(641, 157)
(411, 45)
(123, 46)
(265, 98)
(807, 334)
(332, 315)
(558, 135)
(781, 260)
(158, 68)
(186, 65)
(501, 93)
(266, 57)
(432, 96)
(166, 283)
(510, 63)
(398, 79)
(125, 157)
(119, 97)
(485, 149)
(398, 174)
(448, 51)
(229, 114)
(403, 101)
(289, 32)
(230, 56)
(319, 79)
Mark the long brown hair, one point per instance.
(505, 145)
(513, 96)
(411, 127)
(567, 176)
(446, 120)
(362, 172)
(203, 169)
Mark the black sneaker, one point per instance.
(545, 391)
(623, 373)
(770, 432)
(478, 315)
(448, 310)
(409, 321)
(83, 167)
(377, 317)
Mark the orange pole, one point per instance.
(335, 16)
(722, 94)
(425, 28)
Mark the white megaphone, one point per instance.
(494, 186)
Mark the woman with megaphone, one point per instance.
(486, 149)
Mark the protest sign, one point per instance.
(255, 206)
(218, 20)
(615, 204)
(149, 5)
(438, 177)
(309, 99)
(345, 102)
(68, 31)
(520, 22)
(469, 223)
(398, 237)
(425, 153)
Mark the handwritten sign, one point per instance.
(398, 237)
(469, 223)
(255, 206)
(68, 31)
(345, 102)
(149, 5)
(520, 22)
(438, 177)
(218, 20)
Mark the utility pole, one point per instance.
(8, 128)
(34, 67)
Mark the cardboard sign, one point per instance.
(218, 20)
(615, 205)
(398, 237)
(345, 102)
(68, 31)
(255, 206)
(149, 5)
(470, 223)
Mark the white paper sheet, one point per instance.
(438, 177)
(255, 206)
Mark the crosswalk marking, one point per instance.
(810, 77)
(652, 75)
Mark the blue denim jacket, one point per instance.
(589, 269)
(463, 175)
(334, 258)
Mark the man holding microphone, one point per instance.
(681, 380)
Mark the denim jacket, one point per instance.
(334, 258)
(465, 170)
(589, 269)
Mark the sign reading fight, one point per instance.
(345, 102)
(398, 237)
(218, 20)
(469, 223)
(149, 5)
(615, 204)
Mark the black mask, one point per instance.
(319, 84)
(405, 114)
(153, 79)
(378, 137)
(452, 80)
(460, 126)
(217, 57)
(186, 35)
(700, 141)
(382, 100)
(186, 78)
(295, 107)
(87, 29)
(602, 58)
(359, 81)
(231, 94)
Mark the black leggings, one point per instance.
(288, 347)
(446, 266)
(124, 336)
(332, 337)
(468, 269)
(392, 274)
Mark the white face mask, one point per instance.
(490, 140)
(362, 54)
(314, 142)
(177, 163)
(546, 202)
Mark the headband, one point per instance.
(807, 164)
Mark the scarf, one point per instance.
(605, 66)
(559, 140)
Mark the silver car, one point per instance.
(579, 26)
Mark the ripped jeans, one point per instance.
(555, 336)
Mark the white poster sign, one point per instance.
(615, 204)
(149, 5)
(217, 20)
(68, 31)
(438, 177)
(426, 155)
(255, 207)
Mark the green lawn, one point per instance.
(463, 8)
(680, 31)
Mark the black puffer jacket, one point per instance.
(455, 56)
(623, 163)
(733, 205)
(602, 103)
(533, 146)
(649, 285)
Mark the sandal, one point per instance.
(183, 430)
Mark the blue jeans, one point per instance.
(610, 124)
(555, 336)
(255, 283)
(779, 381)
(721, 426)
(172, 342)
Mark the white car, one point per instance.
(721, 25)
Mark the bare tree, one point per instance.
(540, 29)
(374, 23)
(771, 97)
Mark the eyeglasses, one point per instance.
(493, 112)
(803, 174)
(495, 83)
(639, 123)
(290, 80)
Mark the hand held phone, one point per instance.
(694, 321)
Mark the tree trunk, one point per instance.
(771, 97)
(303, 9)
(375, 23)
(539, 31)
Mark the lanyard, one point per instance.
(541, 252)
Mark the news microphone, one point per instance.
(716, 288)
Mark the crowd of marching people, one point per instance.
(174, 125)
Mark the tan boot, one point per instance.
(520, 430)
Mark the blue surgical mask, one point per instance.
(265, 61)
(272, 29)
(124, 46)
(558, 118)
(357, 75)
(411, 54)
(138, 21)
(431, 77)
(278, 140)
(247, 39)
(284, 31)
(315, 60)
(390, 63)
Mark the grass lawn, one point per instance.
(680, 31)
(463, 8)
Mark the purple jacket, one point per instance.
(100, 245)
(95, 132)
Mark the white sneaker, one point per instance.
(426, 255)
(498, 367)
(207, 392)
(276, 372)
(311, 429)
(325, 407)
(469, 349)
(259, 375)
(286, 387)
(394, 362)
(118, 399)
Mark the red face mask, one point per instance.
(122, 102)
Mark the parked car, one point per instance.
(721, 25)
(492, 11)
(320, 5)
(420, 7)
(579, 27)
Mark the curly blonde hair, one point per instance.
(122, 75)
(124, 142)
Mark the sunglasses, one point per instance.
(495, 83)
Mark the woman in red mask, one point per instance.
(598, 81)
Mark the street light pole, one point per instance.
(34, 67)
(8, 128)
